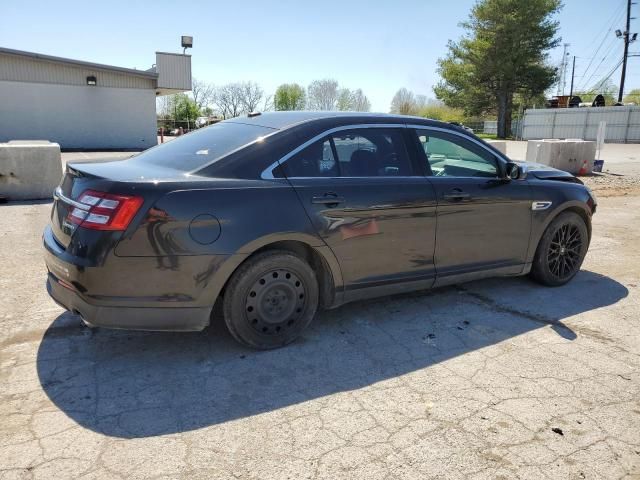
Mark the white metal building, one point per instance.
(622, 123)
(83, 105)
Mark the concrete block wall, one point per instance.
(29, 170)
(567, 155)
(500, 145)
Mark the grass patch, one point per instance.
(492, 136)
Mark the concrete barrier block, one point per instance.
(500, 145)
(29, 170)
(568, 155)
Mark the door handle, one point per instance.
(456, 195)
(329, 199)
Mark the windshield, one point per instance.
(202, 147)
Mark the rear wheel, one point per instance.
(561, 250)
(270, 299)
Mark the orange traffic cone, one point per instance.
(583, 170)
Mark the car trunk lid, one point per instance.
(120, 177)
(74, 182)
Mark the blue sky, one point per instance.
(377, 46)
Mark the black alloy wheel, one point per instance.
(564, 253)
(561, 250)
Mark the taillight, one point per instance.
(105, 211)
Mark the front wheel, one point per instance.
(561, 250)
(270, 300)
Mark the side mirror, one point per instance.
(513, 171)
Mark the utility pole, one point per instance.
(573, 72)
(562, 83)
(628, 37)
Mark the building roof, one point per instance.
(80, 63)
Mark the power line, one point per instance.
(601, 83)
(604, 38)
(609, 52)
(611, 20)
(615, 20)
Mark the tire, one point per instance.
(270, 300)
(561, 250)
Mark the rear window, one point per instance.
(202, 147)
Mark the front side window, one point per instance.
(453, 156)
(370, 152)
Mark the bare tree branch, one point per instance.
(228, 100)
(268, 103)
(235, 99)
(359, 101)
(404, 102)
(251, 94)
(322, 95)
(202, 93)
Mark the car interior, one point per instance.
(453, 160)
(362, 154)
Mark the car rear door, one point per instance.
(484, 221)
(366, 200)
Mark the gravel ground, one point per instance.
(613, 185)
(492, 379)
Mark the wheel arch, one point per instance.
(583, 213)
(572, 206)
(319, 257)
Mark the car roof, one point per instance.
(287, 119)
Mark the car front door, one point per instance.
(366, 200)
(484, 220)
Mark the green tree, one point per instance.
(352, 100)
(632, 97)
(504, 52)
(184, 108)
(442, 113)
(289, 96)
(344, 102)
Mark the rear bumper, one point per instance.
(129, 318)
(137, 293)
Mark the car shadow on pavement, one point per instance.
(136, 384)
(8, 202)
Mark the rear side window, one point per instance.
(202, 147)
(316, 160)
(371, 152)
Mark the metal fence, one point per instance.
(491, 127)
(623, 123)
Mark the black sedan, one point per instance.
(274, 215)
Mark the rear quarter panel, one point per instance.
(249, 215)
